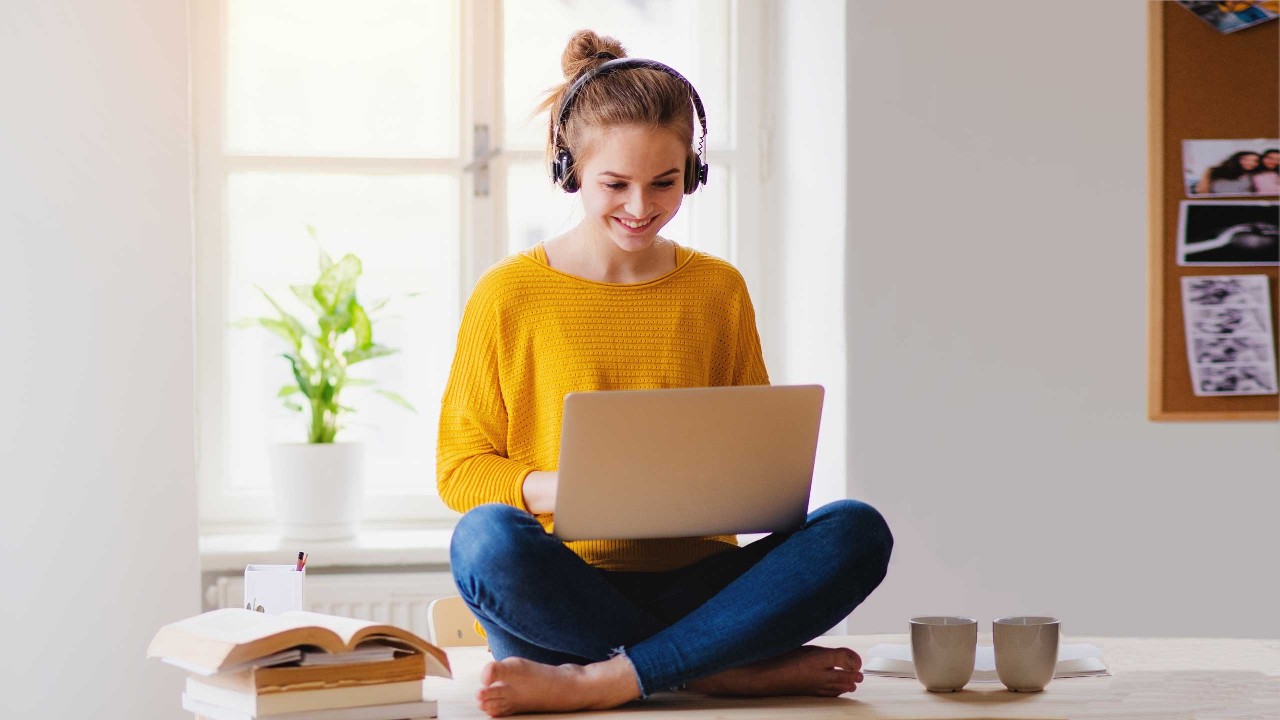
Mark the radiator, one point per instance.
(399, 599)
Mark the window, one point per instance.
(367, 122)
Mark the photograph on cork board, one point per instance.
(1229, 330)
(1228, 17)
(1228, 233)
(1231, 168)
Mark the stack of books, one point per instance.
(245, 665)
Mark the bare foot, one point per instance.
(516, 685)
(807, 670)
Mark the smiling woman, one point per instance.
(632, 190)
(626, 126)
(613, 305)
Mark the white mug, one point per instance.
(1026, 651)
(943, 650)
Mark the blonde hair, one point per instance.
(637, 97)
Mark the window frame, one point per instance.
(482, 220)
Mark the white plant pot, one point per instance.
(319, 489)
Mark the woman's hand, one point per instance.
(1202, 187)
(540, 492)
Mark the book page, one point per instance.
(221, 638)
(344, 628)
(354, 632)
(230, 625)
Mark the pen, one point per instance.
(302, 561)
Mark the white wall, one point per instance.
(97, 519)
(805, 191)
(997, 336)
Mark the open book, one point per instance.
(234, 638)
(1081, 660)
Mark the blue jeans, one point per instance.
(538, 600)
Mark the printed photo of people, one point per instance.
(1228, 233)
(1230, 343)
(1231, 168)
(1225, 290)
(1227, 321)
(1237, 380)
(1231, 350)
(1226, 17)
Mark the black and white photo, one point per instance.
(1222, 350)
(1225, 290)
(1234, 380)
(1230, 347)
(1228, 321)
(1228, 233)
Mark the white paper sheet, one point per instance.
(1075, 660)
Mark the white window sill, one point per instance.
(374, 546)
(228, 549)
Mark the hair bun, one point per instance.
(587, 50)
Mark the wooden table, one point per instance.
(1153, 679)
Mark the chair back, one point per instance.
(452, 624)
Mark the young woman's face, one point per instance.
(1249, 162)
(632, 183)
(1271, 160)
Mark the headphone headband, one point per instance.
(612, 66)
(561, 169)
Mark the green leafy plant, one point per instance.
(321, 356)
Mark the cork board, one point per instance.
(1203, 84)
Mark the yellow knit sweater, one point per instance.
(531, 334)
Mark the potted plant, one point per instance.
(318, 484)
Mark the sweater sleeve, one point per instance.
(748, 366)
(472, 467)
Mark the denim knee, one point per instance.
(487, 539)
(864, 529)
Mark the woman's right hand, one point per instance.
(540, 491)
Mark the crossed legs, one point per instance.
(567, 638)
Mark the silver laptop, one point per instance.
(685, 463)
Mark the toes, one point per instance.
(501, 670)
(844, 659)
(849, 660)
(844, 679)
(504, 670)
(498, 689)
(495, 700)
(495, 709)
(838, 687)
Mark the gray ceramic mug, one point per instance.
(1026, 651)
(943, 650)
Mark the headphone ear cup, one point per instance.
(562, 171)
(695, 173)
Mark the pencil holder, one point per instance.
(274, 589)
